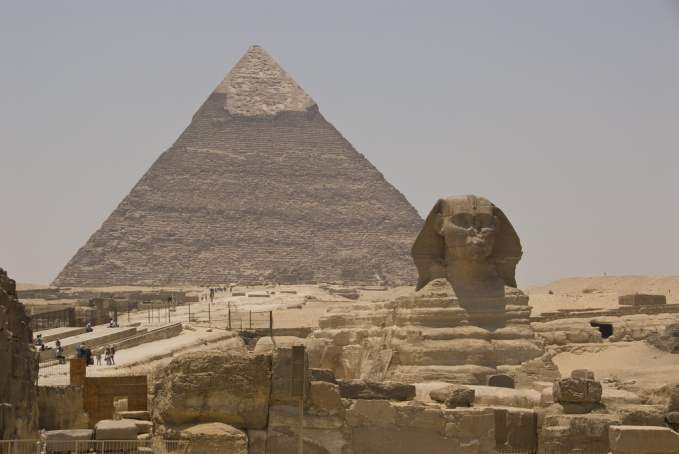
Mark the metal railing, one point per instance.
(52, 368)
(93, 446)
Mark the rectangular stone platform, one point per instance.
(53, 334)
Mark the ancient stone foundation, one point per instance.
(18, 366)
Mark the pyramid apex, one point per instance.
(259, 86)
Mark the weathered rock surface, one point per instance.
(516, 429)
(61, 407)
(361, 389)
(65, 440)
(422, 337)
(215, 438)
(576, 390)
(642, 415)
(18, 366)
(643, 440)
(453, 396)
(115, 429)
(228, 387)
(248, 191)
(570, 433)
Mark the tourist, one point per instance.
(80, 351)
(59, 353)
(112, 324)
(99, 357)
(39, 342)
(88, 355)
(88, 328)
(107, 355)
(113, 355)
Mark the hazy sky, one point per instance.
(563, 113)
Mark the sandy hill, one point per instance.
(598, 292)
(666, 285)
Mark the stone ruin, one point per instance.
(18, 366)
(465, 322)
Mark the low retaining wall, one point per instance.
(164, 332)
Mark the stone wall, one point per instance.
(164, 332)
(18, 366)
(61, 407)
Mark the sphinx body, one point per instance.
(465, 321)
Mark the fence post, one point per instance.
(209, 313)
(250, 318)
(189, 311)
(271, 323)
(149, 314)
(229, 306)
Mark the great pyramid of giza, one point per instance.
(258, 188)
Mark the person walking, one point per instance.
(99, 357)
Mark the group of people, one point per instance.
(84, 351)
(108, 352)
(109, 355)
(58, 349)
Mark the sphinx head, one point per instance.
(466, 230)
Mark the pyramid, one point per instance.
(259, 188)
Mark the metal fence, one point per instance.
(93, 446)
(53, 368)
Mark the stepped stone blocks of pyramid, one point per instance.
(258, 188)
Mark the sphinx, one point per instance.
(470, 242)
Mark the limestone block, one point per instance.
(575, 390)
(515, 351)
(642, 415)
(65, 440)
(447, 353)
(131, 414)
(325, 396)
(228, 387)
(520, 398)
(257, 441)
(567, 433)
(583, 374)
(266, 344)
(143, 427)
(513, 332)
(459, 332)
(371, 412)
(673, 404)
(325, 375)
(516, 429)
(643, 440)
(431, 317)
(501, 381)
(112, 429)
(464, 374)
(614, 398)
(454, 396)
(388, 390)
(215, 438)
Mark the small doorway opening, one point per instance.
(606, 329)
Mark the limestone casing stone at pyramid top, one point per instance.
(258, 86)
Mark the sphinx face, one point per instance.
(469, 236)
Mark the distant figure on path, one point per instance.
(113, 355)
(88, 328)
(99, 357)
